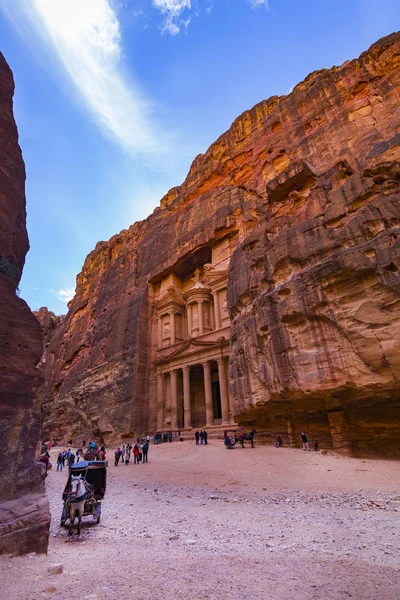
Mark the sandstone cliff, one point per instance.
(24, 512)
(309, 185)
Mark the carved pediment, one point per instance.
(215, 278)
(170, 300)
(193, 347)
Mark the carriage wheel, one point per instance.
(98, 513)
(63, 516)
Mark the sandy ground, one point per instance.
(204, 522)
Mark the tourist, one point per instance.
(128, 451)
(101, 454)
(170, 437)
(201, 437)
(205, 437)
(305, 441)
(140, 452)
(145, 451)
(135, 454)
(278, 441)
(148, 439)
(117, 456)
(197, 436)
(123, 453)
(180, 434)
(60, 462)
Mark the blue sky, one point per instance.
(114, 99)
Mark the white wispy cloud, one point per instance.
(173, 11)
(63, 294)
(86, 37)
(255, 3)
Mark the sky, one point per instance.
(115, 98)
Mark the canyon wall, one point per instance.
(305, 188)
(24, 511)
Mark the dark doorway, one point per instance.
(216, 396)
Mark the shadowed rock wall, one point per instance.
(308, 183)
(24, 511)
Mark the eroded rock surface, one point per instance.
(24, 511)
(305, 187)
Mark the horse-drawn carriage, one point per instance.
(238, 436)
(84, 492)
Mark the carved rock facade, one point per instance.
(24, 511)
(293, 213)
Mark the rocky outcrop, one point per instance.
(24, 512)
(49, 322)
(308, 184)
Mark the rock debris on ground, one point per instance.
(209, 523)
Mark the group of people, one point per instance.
(68, 458)
(304, 441)
(140, 453)
(163, 437)
(201, 437)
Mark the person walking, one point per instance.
(145, 451)
(117, 456)
(305, 441)
(197, 436)
(60, 462)
(128, 451)
(205, 437)
(135, 454)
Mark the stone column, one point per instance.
(223, 392)
(160, 332)
(292, 442)
(208, 394)
(160, 402)
(189, 320)
(216, 311)
(174, 399)
(173, 336)
(201, 317)
(186, 397)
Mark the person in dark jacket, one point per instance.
(197, 436)
(305, 441)
(145, 451)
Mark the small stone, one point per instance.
(55, 569)
(51, 589)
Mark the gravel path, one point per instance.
(207, 523)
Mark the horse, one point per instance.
(246, 436)
(76, 502)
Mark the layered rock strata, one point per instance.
(24, 511)
(303, 192)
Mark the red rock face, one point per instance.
(24, 512)
(308, 184)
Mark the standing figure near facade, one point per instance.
(145, 451)
(197, 436)
(305, 441)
